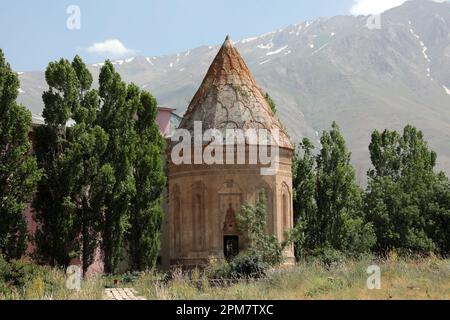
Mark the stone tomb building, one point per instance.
(204, 200)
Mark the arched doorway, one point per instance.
(230, 234)
(230, 202)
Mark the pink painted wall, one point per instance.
(163, 120)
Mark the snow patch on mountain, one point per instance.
(320, 49)
(271, 53)
(266, 46)
(424, 49)
(247, 40)
(447, 90)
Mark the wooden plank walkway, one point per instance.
(122, 294)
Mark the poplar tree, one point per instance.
(133, 209)
(88, 142)
(304, 188)
(104, 174)
(119, 106)
(327, 199)
(70, 200)
(18, 169)
(55, 212)
(339, 199)
(148, 171)
(407, 202)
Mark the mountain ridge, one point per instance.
(323, 70)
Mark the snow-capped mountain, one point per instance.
(319, 71)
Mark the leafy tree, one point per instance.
(18, 169)
(405, 200)
(339, 198)
(55, 212)
(385, 150)
(438, 206)
(88, 143)
(70, 200)
(104, 174)
(116, 117)
(327, 200)
(264, 250)
(304, 188)
(253, 220)
(133, 213)
(149, 176)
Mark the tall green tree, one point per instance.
(133, 213)
(304, 189)
(339, 198)
(18, 169)
(88, 142)
(328, 201)
(119, 106)
(148, 172)
(55, 212)
(70, 200)
(406, 200)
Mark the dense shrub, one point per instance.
(326, 256)
(21, 278)
(250, 265)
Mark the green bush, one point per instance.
(217, 269)
(24, 279)
(356, 237)
(326, 256)
(250, 265)
(17, 273)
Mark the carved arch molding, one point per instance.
(230, 203)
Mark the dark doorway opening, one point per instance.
(230, 246)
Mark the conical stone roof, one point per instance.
(229, 98)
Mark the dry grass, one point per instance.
(427, 278)
(51, 285)
(400, 279)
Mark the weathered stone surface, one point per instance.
(230, 98)
(204, 200)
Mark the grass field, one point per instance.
(400, 279)
(427, 278)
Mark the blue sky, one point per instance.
(32, 33)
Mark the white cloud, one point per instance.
(111, 49)
(367, 7)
